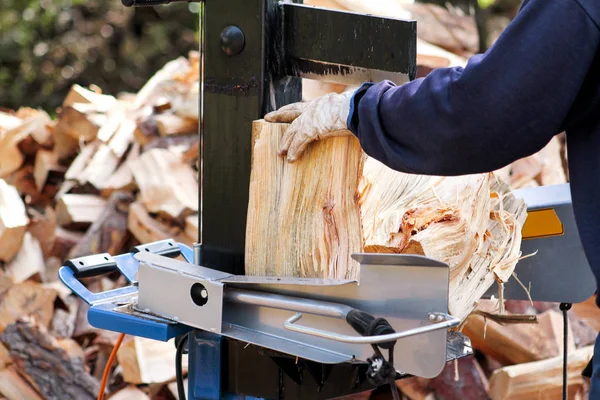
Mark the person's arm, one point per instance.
(504, 105)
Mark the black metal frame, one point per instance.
(283, 42)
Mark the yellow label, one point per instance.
(542, 223)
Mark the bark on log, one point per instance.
(307, 218)
(108, 234)
(59, 374)
(540, 379)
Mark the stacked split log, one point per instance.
(107, 174)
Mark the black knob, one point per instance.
(232, 40)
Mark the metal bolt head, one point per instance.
(232, 40)
(439, 318)
(432, 317)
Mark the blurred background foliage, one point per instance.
(47, 45)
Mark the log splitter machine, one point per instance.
(241, 333)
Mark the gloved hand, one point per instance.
(317, 119)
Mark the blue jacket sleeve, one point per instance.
(504, 105)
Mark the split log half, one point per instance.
(540, 379)
(13, 221)
(307, 218)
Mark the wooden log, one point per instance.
(10, 155)
(173, 389)
(146, 131)
(147, 229)
(167, 185)
(416, 388)
(79, 94)
(183, 143)
(306, 218)
(100, 168)
(14, 387)
(146, 361)
(47, 169)
(82, 160)
(588, 312)
(510, 344)
(122, 179)
(58, 371)
(108, 234)
(13, 221)
(77, 125)
(27, 299)
(6, 283)
(43, 228)
(463, 381)
(63, 321)
(551, 322)
(64, 241)
(540, 379)
(79, 211)
(5, 358)
(172, 124)
(191, 226)
(130, 393)
(29, 262)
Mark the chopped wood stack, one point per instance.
(107, 174)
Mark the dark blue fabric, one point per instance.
(540, 78)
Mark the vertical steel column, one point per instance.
(204, 366)
(240, 87)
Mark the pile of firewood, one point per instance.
(106, 174)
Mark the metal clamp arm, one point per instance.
(442, 321)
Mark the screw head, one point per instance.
(232, 40)
(432, 317)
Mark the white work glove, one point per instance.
(317, 119)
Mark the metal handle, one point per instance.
(442, 321)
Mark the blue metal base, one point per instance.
(204, 368)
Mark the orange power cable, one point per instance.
(111, 359)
